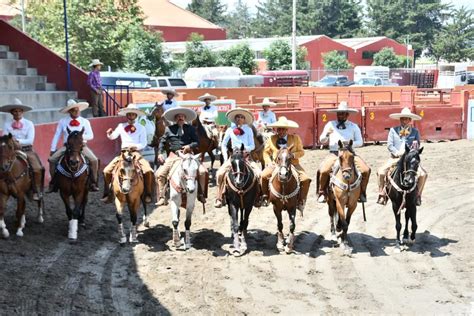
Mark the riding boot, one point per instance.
(265, 190)
(304, 189)
(52, 182)
(363, 187)
(107, 197)
(382, 199)
(258, 196)
(219, 195)
(148, 177)
(322, 191)
(37, 178)
(94, 165)
(202, 186)
(161, 190)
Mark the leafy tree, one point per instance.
(198, 55)
(240, 22)
(278, 56)
(211, 10)
(240, 56)
(333, 61)
(387, 57)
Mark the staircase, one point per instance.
(17, 80)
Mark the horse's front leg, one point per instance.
(342, 221)
(398, 226)
(175, 198)
(190, 203)
(350, 210)
(133, 208)
(3, 226)
(234, 213)
(333, 218)
(20, 215)
(82, 210)
(280, 240)
(76, 212)
(244, 223)
(290, 242)
(414, 225)
(119, 206)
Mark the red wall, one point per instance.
(321, 46)
(46, 61)
(181, 34)
(355, 57)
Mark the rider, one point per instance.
(398, 137)
(208, 115)
(170, 101)
(341, 130)
(240, 133)
(74, 122)
(266, 116)
(23, 131)
(133, 136)
(280, 140)
(178, 136)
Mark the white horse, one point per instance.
(183, 183)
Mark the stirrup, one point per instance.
(382, 199)
(218, 203)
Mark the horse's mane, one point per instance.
(349, 149)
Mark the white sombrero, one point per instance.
(170, 91)
(95, 62)
(267, 102)
(405, 113)
(207, 96)
(71, 104)
(343, 107)
(283, 122)
(17, 104)
(170, 114)
(232, 113)
(131, 108)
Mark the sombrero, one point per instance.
(95, 62)
(17, 104)
(232, 113)
(283, 122)
(170, 114)
(405, 113)
(71, 104)
(170, 91)
(131, 108)
(343, 107)
(266, 102)
(207, 96)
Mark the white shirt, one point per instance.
(237, 141)
(25, 135)
(136, 139)
(352, 131)
(63, 125)
(209, 115)
(265, 118)
(170, 106)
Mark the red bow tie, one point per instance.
(17, 125)
(238, 131)
(74, 122)
(130, 128)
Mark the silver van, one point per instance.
(167, 82)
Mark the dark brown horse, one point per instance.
(284, 190)
(157, 118)
(72, 175)
(15, 180)
(206, 144)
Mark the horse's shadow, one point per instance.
(426, 242)
(156, 237)
(210, 240)
(376, 247)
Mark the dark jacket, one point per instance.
(176, 142)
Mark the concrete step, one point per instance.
(38, 99)
(18, 83)
(4, 48)
(40, 116)
(10, 66)
(45, 86)
(9, 55)
(26, 71)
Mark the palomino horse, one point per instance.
(72, 175)
(402, 189)
(157, 117)
(284, 189)
(128, 187)
(241, 192)
(183, 192)
(344, 191)
(15, 181)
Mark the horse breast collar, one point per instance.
(341, 185)
(285, 197)
(69, 174)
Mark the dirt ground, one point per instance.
(43, 273)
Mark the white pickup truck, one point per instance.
(373, 82)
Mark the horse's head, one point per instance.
(74, 144)
(7, 152)
(189, 171)
(126, 171)
(239, 170)
(158, 111)
(346, 159)
(283, 161)
(408, 165)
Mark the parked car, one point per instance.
(132, 80)
(381, 72)
(470, 77)
(372, 81)
(333, 81)
(232, 82)
(167, 82)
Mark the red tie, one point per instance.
(130, 128)
(74, 122)
(17, 125)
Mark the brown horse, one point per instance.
(206, 144)
(157, 117)
(284, 189)
(258, 139)
(344, 191)
(72, 175)
(15, 180)
(129, 188)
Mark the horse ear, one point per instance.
(350, 143)
(242, 147)
(420, 150)
(68, 130)
(10, 136)
(82, 130)
(341, 145)
(407, 148)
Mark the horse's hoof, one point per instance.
(280, 247)
(411, 242)
(19, 233)
(289, 250)
(5, 233)
(122, 240)
(40, 219)
(237, 253)
(405, 241)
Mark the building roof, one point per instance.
(8, 10)
(359, 42)
(165, 13)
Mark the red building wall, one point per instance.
(181, 34)
(355, 57)
(320, 46)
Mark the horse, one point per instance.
(160, 125)
(402, 187)
(15, 180)
(284, 190)
(259, 141)
(128, 187)
(183, 192)
(344, 191)
(206, 144)
(240, 193)
(72, 176)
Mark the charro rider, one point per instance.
(208, 115)
(170, 101)
(133, 136)
(240, 133)
(398, 137)
(178, 136)
(265, 117)
(341, 130)
(23, 131)
(73, 122)
(283, 139)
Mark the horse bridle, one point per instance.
(287, 166)
(244, 173)
(68, 153)
(184, 175)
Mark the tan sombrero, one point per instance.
(131, 108)
(170, 91)
(207, 96)
(17, 104)
(283, 122)
(170, 114)
(266, 102)
(95, 62)
(343, 107)
(405, 113)
(71, 104)
(232, 113)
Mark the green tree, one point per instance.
(387, 57)
(240, 56)
(278, 56)
(333, 61)
(198, 55)
(455, 42)
(211, 10)
(240, 22)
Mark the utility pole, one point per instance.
(23, 23)
(293, 39)
(408, 56)
(68, 71)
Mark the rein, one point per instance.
(237, 190)
(400, 190)
(345, 186)
(285, 197)
(7, 175)
(183, 178)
